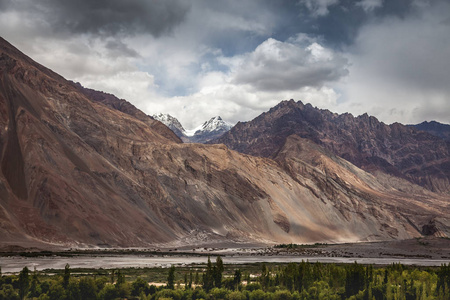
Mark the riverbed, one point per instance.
(14, 264)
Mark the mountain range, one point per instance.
(83, 168)
(209, 130)
(434, 128)
(396, 149)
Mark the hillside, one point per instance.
(396, 149)
(77, 170)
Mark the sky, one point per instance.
(196, 59)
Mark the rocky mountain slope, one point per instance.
(81, 168)
(211, 129)
(394, 149)
(128, 108)
(434, 128)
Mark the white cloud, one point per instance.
(135, 85)
(258, 80)
(236, 102)
(282, 66)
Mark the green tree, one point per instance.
(73, 291)
(237, 278)
(120, 278)
(45, 287)
(171, 278)
(24, 283)
(7, 292)
(197, 278)
(265, 276)
(108, 292)
(112, 276)
(354, 280)
(208, 279)
(66, 276)
(190, 280)
(35, 289)
(218, 272)
(443, 283)
(57, 292)
(87, 288)
(138, 286)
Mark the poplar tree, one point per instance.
(66, 276)
(218, 272)
(208, 279)
(171, 278)
(24, 283)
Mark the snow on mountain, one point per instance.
(216, 124)
(209, 130)
(172, 123)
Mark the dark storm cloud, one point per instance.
(340, 25)
(117, 48)
(105, 17)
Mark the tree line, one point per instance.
(280, 282)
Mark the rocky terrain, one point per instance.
(128, 108)
(434, 128)
(83, 168)
(209, 130)
(396, 149)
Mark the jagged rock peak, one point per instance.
(435, 128)
(365, 141)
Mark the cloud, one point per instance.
(369, 5)
(118, 48)
(77, 57)
(400, 66)
(289, 65)
(238, 58)
(318, 8)
(233, 102)
(253, 82)
(135, 85)
(104, 17)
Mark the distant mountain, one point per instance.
(364, 141)
(172, 123)
(434, 128)
(211, 129)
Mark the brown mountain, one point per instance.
(80, 167)
(394, 149)
(434, 128)
(128, 108)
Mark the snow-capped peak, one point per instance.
(212, 128)
(215, 124)
(170, 122)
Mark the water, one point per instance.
(15, 264)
